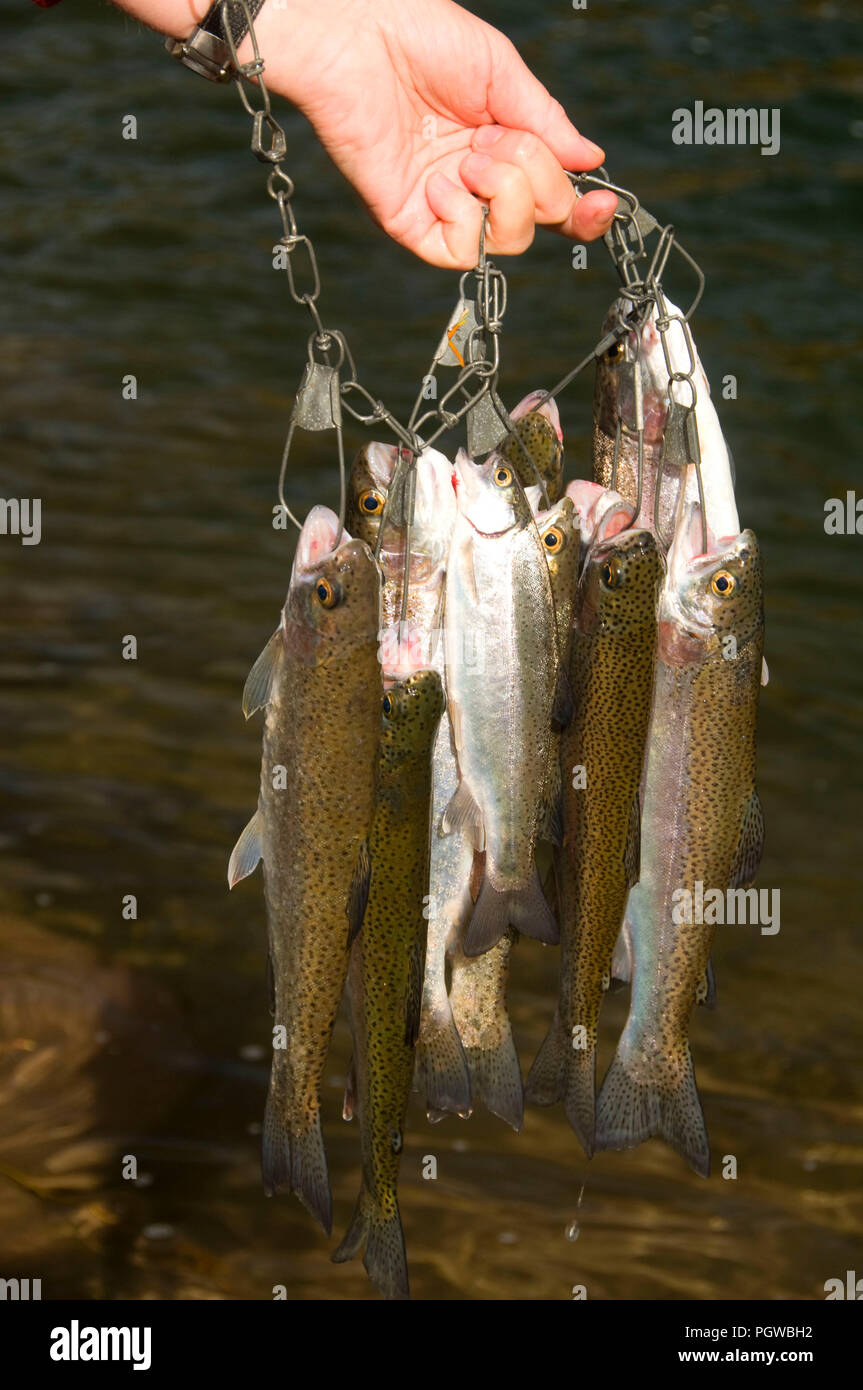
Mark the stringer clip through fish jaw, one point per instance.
(317, 406)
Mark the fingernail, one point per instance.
(594, 150)
(603, 220)
(487, 135)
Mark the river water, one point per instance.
(147, 1039)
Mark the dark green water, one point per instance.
(149, 1037)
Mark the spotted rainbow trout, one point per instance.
(501, 706)
(387, 969)
(535, 448)
(319, 681)
(701, 823)
(479, 983)
(602, 751)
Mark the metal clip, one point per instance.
(463, 324)
(318, 401)
(278, 147)
(675, 441)
(486, 424)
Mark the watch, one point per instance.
(207, 50)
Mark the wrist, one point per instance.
(302, 42)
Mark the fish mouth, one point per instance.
(543, 405)
(487, 535)
(632, 541)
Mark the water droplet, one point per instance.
(143, 1180)
(252, 1052)
(573, 1231)
(809, 1165)
(337, 1082)
(856, 128)
(508, 1238)
(460, 1145)
(159, 1230)
(254, 1128)
(699, 43)
(44, 899)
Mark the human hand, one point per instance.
(427, 110)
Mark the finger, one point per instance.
(453, 240)
(590, 217)
(555, 199)
(518, 100)
(553, 193)
(507, 191)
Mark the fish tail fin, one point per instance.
(563, 1072)
(579, 1101)
(621, 961)
(546, 1080)
(524, 908)
(667, 1106)
(496, 1079)
(442, 1074)
(383, 1238)
(297, 1163)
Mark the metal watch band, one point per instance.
(207, 50)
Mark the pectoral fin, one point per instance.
(349, 1104)
(246, 853)
(259, 682)
(358, 894)
(463, 813)
(750, 845)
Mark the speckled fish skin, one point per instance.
(611, 671)
(701, 821)
(498, 585)
(442, 1074)
(386, 971)
(614, 401)
(478, 1001)
(322, 695)
(538, 430)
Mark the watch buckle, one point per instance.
(205, 54)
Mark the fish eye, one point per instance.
(388, 704)
(326, 593)
(552, 539)
(616, 351)
(371, 502)
(503, 476)
(723, 584)
(611, 574)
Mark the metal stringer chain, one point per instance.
(471, 341)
